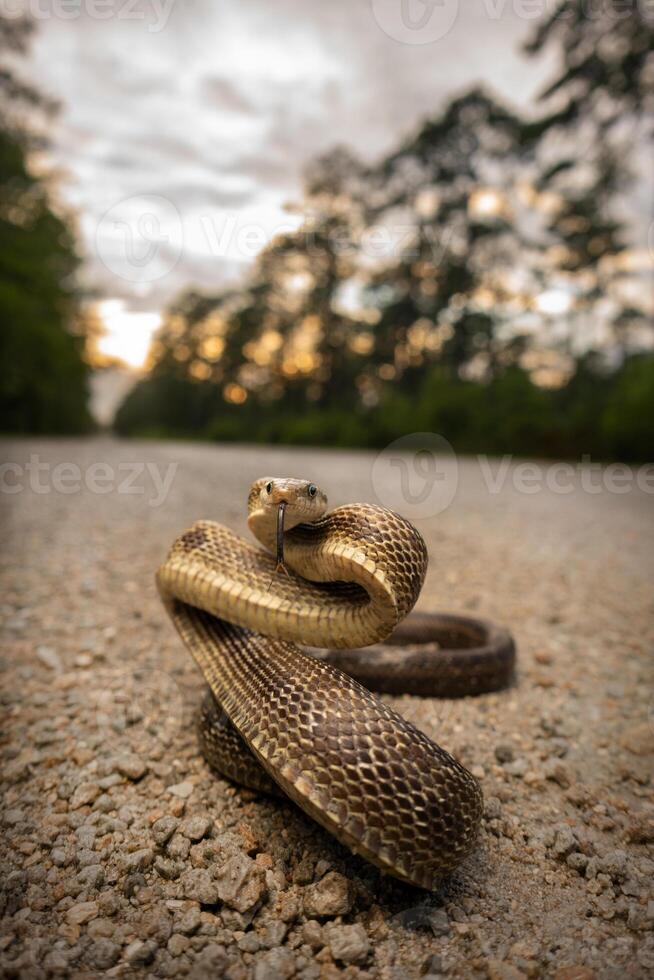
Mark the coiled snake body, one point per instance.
(349, 760)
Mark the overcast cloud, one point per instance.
(190, 122)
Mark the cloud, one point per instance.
(219, 112)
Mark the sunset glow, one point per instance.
(127, 334)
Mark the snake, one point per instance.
(279, 632)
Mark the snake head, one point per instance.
(304, 501)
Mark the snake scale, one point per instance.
(277, 718)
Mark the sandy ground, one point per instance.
(123, 856)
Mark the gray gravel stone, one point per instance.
(348, 944)
(198, 885)
(138, 860)
(241, 883)
(332, 895)
(195, 828)
(140, 953)
(277, 964)
(104, 954)
(130, 765)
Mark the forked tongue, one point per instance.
(280, 566)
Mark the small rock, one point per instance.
(179, 847)
(278, 964)
(499, 970)
(349, 944)
(49, 658)
(131, 766)
(140, 953)
(565, 843)
(556, 772)
(312, 934)
(241, 883)
(182, 790)
(504, 753)
(274, 933)
(104, 954)
(517, 768)
(189, 922)
(177, 944)
(640, 829)
(332, 895)
(577, 861)
(195, 828)
(83, 912)
(210, 962)
(577, 972)
(163, 829)
(198, 885)
(168, 869)
(84, 794)
(614, 864)
(639, 740)
(138, 860)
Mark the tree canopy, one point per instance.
(44, 376)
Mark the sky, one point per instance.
(185, 125)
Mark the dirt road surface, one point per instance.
(123, 856)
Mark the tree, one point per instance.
(44, 377)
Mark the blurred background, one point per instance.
(330, 224)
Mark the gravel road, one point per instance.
(123, 856)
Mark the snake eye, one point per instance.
(312, 489)
(269, 487)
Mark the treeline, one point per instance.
(607, 416)
(474, 282)
(43, 383)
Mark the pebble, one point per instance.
(81, 913)
(163, 829)
(278, 964)
(104, 954)
(138, 860)
(348, 944)
(198, 885)
(84, 794)
(49, 657)
(241, 883)
(182, 790)
(330, 896)
(195, 828)
(141, 953)
(131, 766)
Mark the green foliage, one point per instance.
(332, 342)
(604, 416)
(43, 387)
